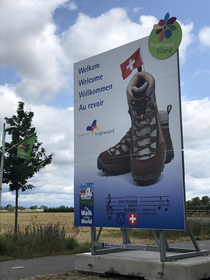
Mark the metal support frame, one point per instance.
(161, 246)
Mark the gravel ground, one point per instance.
(79, 276)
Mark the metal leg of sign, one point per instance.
(93, 239)
(155, 237)
(99, 233)
(192, 237)
(126, 239)
(184, 253)
(162, 246)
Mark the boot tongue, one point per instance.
(139, 92)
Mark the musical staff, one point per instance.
(161, 202)
(119, 207)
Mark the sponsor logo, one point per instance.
(92, 127)
(165, 37)
(86, 194)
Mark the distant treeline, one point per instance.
(59, 209)
(201, 207)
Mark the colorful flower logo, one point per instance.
(25, 147)
(165, 27)
(92, 127)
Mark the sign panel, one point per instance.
(128, 146)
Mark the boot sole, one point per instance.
(113, 169)
(148, 180)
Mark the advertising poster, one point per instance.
(128, 140)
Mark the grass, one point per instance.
(38, 240)
(44, 234)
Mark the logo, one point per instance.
(86, 215)
(132, 218)
(25, 147)
(121, 218)
(86, 194)
(92, 127)
(165, 37)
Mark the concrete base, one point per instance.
(144, 264)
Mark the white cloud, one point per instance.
(54, 126)
(136, 9)
(196, 73)
(187, 39)
(72, 6)
(29, 44)
(8, 102)
(196, 119)
(43, 60)
(90, 36)
(204, 36)
(196, 128)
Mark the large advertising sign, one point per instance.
(128, 140)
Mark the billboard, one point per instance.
(128, 140)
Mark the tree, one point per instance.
(35, 207)
(43, 207)
(10, 208)
(17, 171)
(21, 208)
(205, 200)
(196, 201)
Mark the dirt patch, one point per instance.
(79, 276)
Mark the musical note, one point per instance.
(109, 208)
(161, 203)
(168, 204)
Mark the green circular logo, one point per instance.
(165, 38)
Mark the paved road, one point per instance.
(203, 244)
(14, 270)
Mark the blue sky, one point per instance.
(41, 40)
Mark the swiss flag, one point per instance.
(134, 61)
(132, 218)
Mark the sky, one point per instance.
(40, 42)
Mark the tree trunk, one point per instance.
(16, 211)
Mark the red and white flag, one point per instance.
(134, 61)
(132, 218)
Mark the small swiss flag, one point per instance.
(134, 61)
(132, 218)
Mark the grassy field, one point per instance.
(45, 234)
(200, 226)
(25, 219)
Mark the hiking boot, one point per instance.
(148, 148)
(164, 122)
(116, 160)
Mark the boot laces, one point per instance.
(123, 146)
(144, 128)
